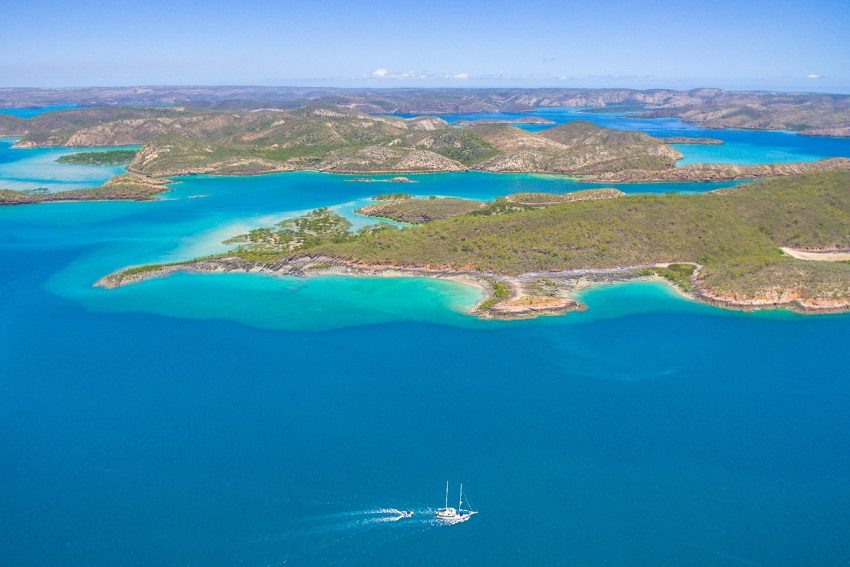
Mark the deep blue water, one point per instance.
(30, 111)
(241, 419)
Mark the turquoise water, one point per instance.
(742, 147)
(254, 420)
(34, 168)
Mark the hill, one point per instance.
(180, 141)
(730, 238)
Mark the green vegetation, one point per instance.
(392, 196)
(415, 211)
(112, 157)
(575, 148)
(136, 270)
(546, 199)
(11, 125)
(316, 227)
(678, 274)
(734, 234)
(328, 138)
(128, 187)
(500, 292)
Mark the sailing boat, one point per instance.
(454, 515)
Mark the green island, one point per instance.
(316, 227)
(111, 157)
(392, 196)
(126, 187)
(723, 247)
(416, 211)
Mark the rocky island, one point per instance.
(126, 187)
(181, 141)
(535, 120)
(532, 253)
(694, 141)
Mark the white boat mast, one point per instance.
(460, 503)
(447, 494)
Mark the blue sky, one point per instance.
(771, 44)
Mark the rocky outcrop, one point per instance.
(524, 120)
(382, 159)
(127, 187)
(692, 141)
(795, 299)
(528, 295)
(574, 148)
(719, 172)
(835, 131)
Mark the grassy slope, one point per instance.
(11, 125)
(734, 234)
(421, 210)
(112, 157)
(334, 139)
(127, 187)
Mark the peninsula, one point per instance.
(532, 252)
(180, 141)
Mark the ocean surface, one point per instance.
(31, 111)
(253, 420)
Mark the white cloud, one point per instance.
(380, 73)
(814, 76)
(460, 76)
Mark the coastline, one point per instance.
(689, 173)
(524, 296)
(136, 186)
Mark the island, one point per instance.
(693, 141)
(126, 187)
(110, 157)
(416, 211)
(533, 120)
(329, 138)
(724, 247)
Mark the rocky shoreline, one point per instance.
(525, 296)
(125, 187)
(134, 186)
(692, 141)
(719, 172)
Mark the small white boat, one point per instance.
(406, 514)
(454, 515)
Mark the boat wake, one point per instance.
(393, 515)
